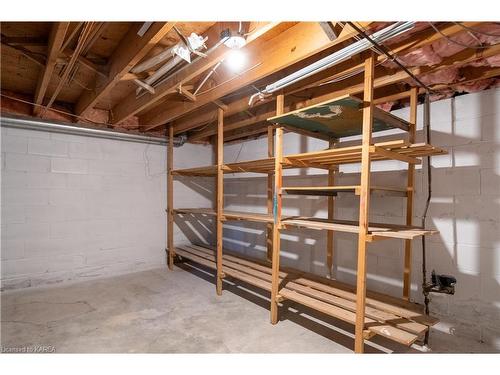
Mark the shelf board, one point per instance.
(393, 318)
(325, 159)
(375, 230)
(337, 118)
(394, 150)
(334, 190)
(228, 215)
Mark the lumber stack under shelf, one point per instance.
(390, 317)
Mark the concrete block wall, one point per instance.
(76, 207)
(465, 208)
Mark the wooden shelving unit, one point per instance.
(370, 313)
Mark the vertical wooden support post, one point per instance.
(270, 153)
(220, 195)
(409, 194)
(364, 203)
(331, 202)
(170, 198)
(278, 156)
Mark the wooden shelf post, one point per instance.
(220, 194)
(170, 198)
(409, 200)
(364, 203)
(277, 216)
(331, 202)
(270, 153)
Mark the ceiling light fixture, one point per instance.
(233, 40)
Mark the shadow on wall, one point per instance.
(464, 208)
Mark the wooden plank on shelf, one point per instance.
(374, 229)
(334, 190)
(248, 216)
(287, 281)
(382, 302)
(381, 329)
(196, 211)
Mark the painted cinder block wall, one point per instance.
(465, 208)
(76, 207)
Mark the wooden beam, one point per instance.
(220, 195)
(170, 198)
(364, 204)
(270, 153)
(419, 40)
(132, 105)
(129, 52)
(409, 201)
(56, 40)
(278, 156)
(295, 44)
(353, 86)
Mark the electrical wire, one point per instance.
(386, 52)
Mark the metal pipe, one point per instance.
(19, 122)
(336, 57)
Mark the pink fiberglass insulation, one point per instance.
(475, 85)
(493, 61)
(386, 106)
(443, 76)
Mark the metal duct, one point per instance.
(337, 57)
(19, 122)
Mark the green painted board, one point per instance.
(337, 118)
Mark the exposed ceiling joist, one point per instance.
(355, 86)
(56, 39)
(132, 105)
(129, 52)
(419, 40)
(295, 44)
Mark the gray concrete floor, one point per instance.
(161, 311)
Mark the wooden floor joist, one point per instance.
(403, 325)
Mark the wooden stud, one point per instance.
(220, 195)
(364, 204)
(170, 198)
(409, 200)
(278, 155)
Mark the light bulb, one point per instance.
(235, 60)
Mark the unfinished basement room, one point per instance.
(251, 183)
